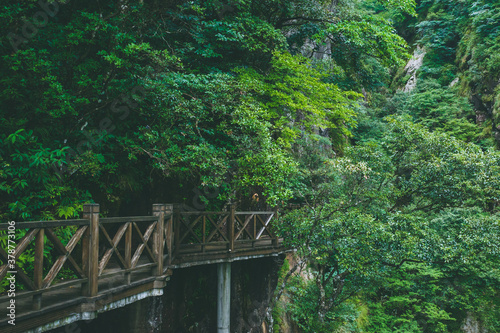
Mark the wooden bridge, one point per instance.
(115, 261)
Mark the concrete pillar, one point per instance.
(223, 297)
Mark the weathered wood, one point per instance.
(85, 259)
(38, 263)
(169, 232)
(21, 246)
(231, 227)
(217, 229)
(203, 231)
(119, 272)
(113, 243)
(26, 294)
(24, 278)
(254, 226)
(107, 220)
(177, 227)
(159, 211)
(161, 241)
(45, 224)
(38, 268)
(264, 227)
(202, 213)
(244, 226)
(66, 256)
(128, 250)
(190, 229)
(91, 212)
(144, 238)
(275, 236)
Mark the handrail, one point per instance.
(128, 219)
(46, 224)
(104, 247)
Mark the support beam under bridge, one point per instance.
(223, 297)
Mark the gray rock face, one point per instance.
(411, 68)
(472, 325)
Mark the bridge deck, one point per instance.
(117, 261)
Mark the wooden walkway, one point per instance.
(116, 261)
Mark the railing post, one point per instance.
(273, 228)
(128, 251)
(91, 246)
(177, 226)
(159, 210)
(231, 227)
(169, 210)
(38, 268)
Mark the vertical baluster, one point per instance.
(168, 241)
(254, 228)
(203, 228)
(38, 268)
(177, 226)
(85, 257)
(128, 250)
(275, 234)
(231, 227)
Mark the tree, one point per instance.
(374, 212)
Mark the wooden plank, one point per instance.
(60, 285)
(264, 226)
(66, 253)
(254, 227)
(275, 236)
(217, 229)
(46, 224)
(202, 213)
(113, 243)
(159, 212)
(144, 267)
(128, 251)
(24, 278)
(169, 238)
(243, 228)
(54, 270)
(85, 259)
(21, 246)
(106, 220)
(177, 230)
(144, 244)
(91, 211)
(38, 264)
(128, 244)
(203, 231)
(190, 229)
(76, 237)
(231, 227)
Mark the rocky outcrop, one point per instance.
(412, 67)
(472, 325)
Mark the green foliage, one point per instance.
(278, 310)
(461, 40)
(375, 211)
(144, 101)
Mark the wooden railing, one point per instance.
(103, 248)
(202, 232)
(33, 241)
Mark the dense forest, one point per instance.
(378, 121)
